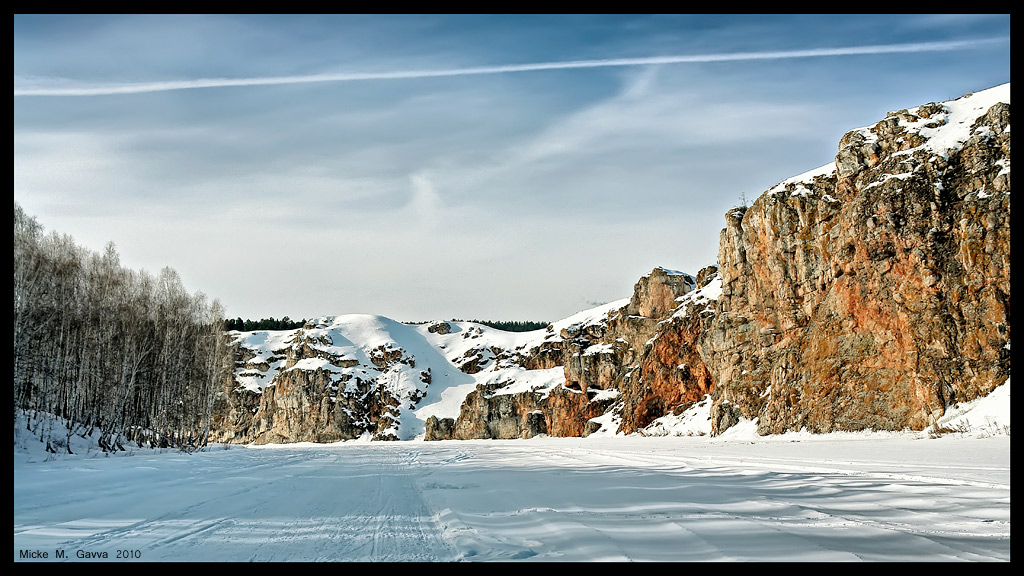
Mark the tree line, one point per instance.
(510, 326)
(285, 323)
(109, 349)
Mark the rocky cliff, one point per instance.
(871, 293)
(315, 384)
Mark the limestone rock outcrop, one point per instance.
(439, 429)
(875, 292)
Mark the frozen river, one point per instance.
(548, 499)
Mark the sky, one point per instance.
(496, 167)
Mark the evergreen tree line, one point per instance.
(285, 323)
(108, 349)
(510, 326)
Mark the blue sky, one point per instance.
(438, 166)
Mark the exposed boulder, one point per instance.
(440, 328)
(439, 429)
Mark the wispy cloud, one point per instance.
(144, 87)
(647, 133)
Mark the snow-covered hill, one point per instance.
(412, 371)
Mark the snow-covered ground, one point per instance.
(865, 496)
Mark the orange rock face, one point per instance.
(875, 299)
(671, 376)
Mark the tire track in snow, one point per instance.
(372, 512)
(404, 529)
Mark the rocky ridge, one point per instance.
(363, 376)
(620, 370)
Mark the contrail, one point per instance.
(143, 87)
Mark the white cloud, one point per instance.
(61, 87)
